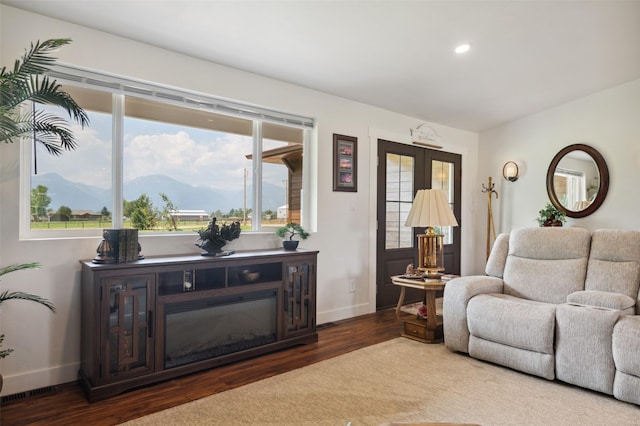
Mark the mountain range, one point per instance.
(78, 196)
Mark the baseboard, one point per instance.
(343, 313)
(31, 380)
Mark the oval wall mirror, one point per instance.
(577, 180)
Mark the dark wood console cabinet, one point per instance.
(162, 317)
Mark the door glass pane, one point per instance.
(442, 178)
(399, 197)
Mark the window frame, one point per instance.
(120, 87)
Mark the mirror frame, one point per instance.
(603, 172)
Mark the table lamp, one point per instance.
(430, 209)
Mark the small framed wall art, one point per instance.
(345, 163)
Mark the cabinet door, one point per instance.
(299, 298)
(128, 314)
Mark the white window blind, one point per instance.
(142, 89)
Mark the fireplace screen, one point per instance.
(209, 328)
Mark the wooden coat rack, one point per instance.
(491, 229)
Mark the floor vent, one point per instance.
(28, 394)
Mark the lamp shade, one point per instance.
(431, 208)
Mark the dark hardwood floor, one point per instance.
(67, 405)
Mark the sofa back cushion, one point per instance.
(614, 262)
(498, 257)
(546, 264)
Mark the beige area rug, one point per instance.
(401, 380)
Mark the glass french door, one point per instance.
(402, 170)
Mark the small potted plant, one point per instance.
(288, 232)
(551, 216)
(214, 237)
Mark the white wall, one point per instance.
(47, 347)
(608, 121)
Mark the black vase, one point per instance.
(290, 244)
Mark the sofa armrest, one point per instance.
(602, 299)
(457, 294)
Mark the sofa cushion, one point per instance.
(457, 294)
(511, 321)
(498, 256)
(626, 387)
(626, 346)
(546, 264)
(529, 362)
(614, 262)
(601, 299)
(583, 346)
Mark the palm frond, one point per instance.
(8, 127)
(5, 352)
(28, 82)
(21, 295)
(52, 132)
(38, 59)
(18, 267)
(46, 91)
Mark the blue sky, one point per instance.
(193, 156)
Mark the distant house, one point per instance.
(281, 212)
(84, 215)
(189, 215)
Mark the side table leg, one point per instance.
(433, 330)
(400, 301)
(432, 317)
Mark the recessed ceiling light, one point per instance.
(462, 48)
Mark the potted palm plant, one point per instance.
(7, 295)
(288, 232)
(28, 81)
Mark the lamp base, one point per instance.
(433, 276)
(432, 273)
(430, 255)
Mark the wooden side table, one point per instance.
(432, 332)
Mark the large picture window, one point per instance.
(162, 162)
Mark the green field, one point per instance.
(96, 224)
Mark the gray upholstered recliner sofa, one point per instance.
(559, 303)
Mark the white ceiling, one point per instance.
(526, 56)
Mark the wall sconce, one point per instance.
(510, 171)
